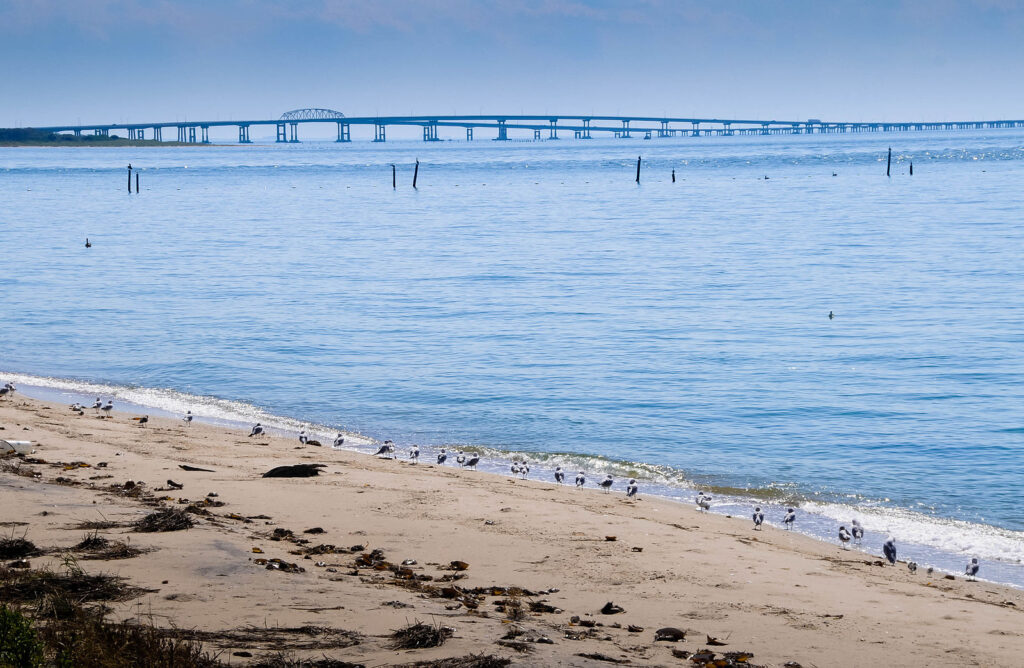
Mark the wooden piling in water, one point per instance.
(673, 176)
(136, 183)
(129, 178)
(911, 167)
(638, 169)
(394, 182)
(416, 173)
(888, 165)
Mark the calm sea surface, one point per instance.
(532, 298)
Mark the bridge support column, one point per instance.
(344, 132)
(764, 128)
(181, 134)
(205, 133)
(727, 129)
(158, 133)
(536, 135)
(695, 131)
(430, 132)
(469, 134)
(243, 134)
(282, 133)
(78, 133)
(502, 132)
(295, 133)
(624, 134)
(647, 134)
(585, 133)
(192, 134)
(664, 131)
(379, 133)
(553, 130)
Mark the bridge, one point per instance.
(544, 126)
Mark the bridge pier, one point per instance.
(585, 133)
(695, 130)
(502, 131)
(647, 134)
(192, 134)
(344, 132)
(78, 133)
(243, 134)
(553, 129)
(624, 133)
(282, 133)
(158, 133)
(536, 135)
(379, 133)
(294, 132)
(664, 131)
(727, 129)
(205, 133)
(430, 132)
(181, 134)
(469, 134)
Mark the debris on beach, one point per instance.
(295, 471)
(459, 565)
(97, 547)
(669, 634)
(16, 548)
(169, 519)
(611, 609)
(597, 656)
(715, 642)
(186, 467)
(420, 635)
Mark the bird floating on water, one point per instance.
(758, 518)
(831, 315)
(88, 244)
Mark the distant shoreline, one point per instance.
(98, 144)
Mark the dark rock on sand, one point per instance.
(295, 471)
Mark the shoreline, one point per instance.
(778, 594)
(817, 520)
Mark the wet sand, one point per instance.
(779, 595)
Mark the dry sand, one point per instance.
(782, 596)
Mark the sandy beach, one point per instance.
(539, 561)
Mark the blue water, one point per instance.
(531, 297)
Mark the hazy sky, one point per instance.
(134, 60)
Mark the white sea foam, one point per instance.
(944, 534)
(175, 403)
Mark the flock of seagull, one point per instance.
(521, 469)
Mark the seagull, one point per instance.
(912, 566)
(889, 550)
(460, 459)
(387, 449)
(142, 420)
(188, 418)
(472, 461)
(844, 537)
(414, 454)
(87, 243)
(442, 456)
(831, 315)
(524, 470)
(559, 475)
(789, 518)
(515, 468)
(758, 518)
(257, 430)
(98, 405)
(631, 488)
(339, 440)
(302, 437)
(972, 568)
(581, 479)
(857, 531)
(4, 391)
(606, 484)
(108, 408)
(703, 501)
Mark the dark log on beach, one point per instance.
(295, 471)
(186, 467)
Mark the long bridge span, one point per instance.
(543, 126)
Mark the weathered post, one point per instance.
(394, 182)
(129, 178)
(416, 173)
(673, 176)
(911, 167)
(136, 183)
(638, 169)
(888, 165)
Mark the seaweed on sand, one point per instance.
(168, 519)
(420, 635)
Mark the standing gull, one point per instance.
(857, 531)
(889, 550)
(703, 501)
(257, 430)
(108, 409)
(414, 454)
(387, 449)
(302, 437)
(460, 458)
(442, 456)
(631, 488)
(790, 517)
(472, 462)
(606, 484)
(339, 440)
(844, 537)
(188, 418)
(581, 479)
(142, 420)
(559, 475)
(524, 470)
(758, 518)
(98, 405)
(972, 568)
(515, 468)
